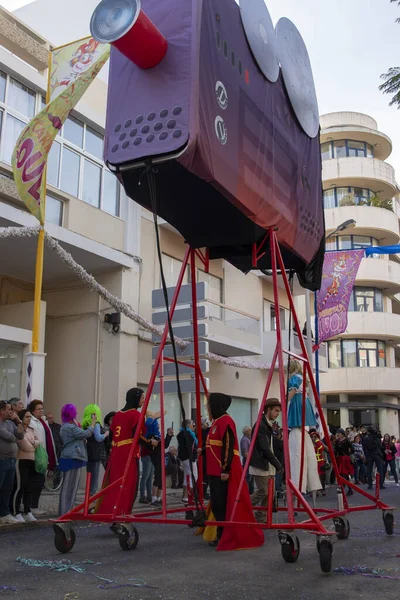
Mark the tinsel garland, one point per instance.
(115, 302)
(16, 232)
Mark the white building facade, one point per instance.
(362, 384)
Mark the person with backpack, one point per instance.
(389, 457)
(96, 451)
(373, 453)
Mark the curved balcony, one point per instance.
(373, 325)
(370, 173)
(380, 273)
(384, 380)
(379, 223)
(347, 118)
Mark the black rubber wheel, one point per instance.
(342, 528)
(129, 542)
(189, 517)
(388, 521)
(290, 551)
(61, 543)
(325, 556)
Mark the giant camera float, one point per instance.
(213, 125)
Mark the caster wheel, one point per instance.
(325, 556)
(60, 540)
(388, 521)
(291, 550)
(189, 517)
(342, 528)
(127, 541)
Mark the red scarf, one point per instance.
(49, 446)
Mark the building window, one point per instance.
(71, 165)
(21, 99)
(346, 148)
(356, 353)
(215, 293)
(348, 196)
(54, 210)
(3, 83)
(350, 242)
(75, 162)
(366, 300)
(171, 268)
(270, 316)
(11, 132)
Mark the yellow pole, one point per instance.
(38, 292)
(40, 246)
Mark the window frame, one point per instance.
(356, 293)
(348, 145)
(84, 155)
(378, 346)
(335, 240)
(349, 190)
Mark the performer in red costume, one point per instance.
(122, 432)
(225, 470)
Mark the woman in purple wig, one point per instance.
(73, 455)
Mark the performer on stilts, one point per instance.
(310, 480)
(122, 432)
(225, 470)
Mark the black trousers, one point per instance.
(37, 487)
(25, 475)
(156, 460)
(219, 498)
(176, 475)
(370, 467)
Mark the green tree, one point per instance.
(391, 79)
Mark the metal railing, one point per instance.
(233, 318)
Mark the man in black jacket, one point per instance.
(372, 446)
(263, 463)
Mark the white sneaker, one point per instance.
(19, 518)
(29, 518)
(8, 520)
(37, 512)
(397, 484)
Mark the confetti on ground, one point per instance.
(60, 566)
(64, 566)
(369, 572)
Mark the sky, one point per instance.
(351, 43)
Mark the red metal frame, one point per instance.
(314, 523)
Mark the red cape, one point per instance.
(240, 538)
(122, 427)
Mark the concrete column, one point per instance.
(344, 412)
(35, 363)
(384, 425)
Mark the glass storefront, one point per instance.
(11, 357)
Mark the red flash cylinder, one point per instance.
(124, 24)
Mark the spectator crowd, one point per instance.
(33, 446)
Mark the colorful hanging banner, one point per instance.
(34, 144)
(68, 63)
(339, 273)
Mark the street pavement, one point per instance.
(174, 564)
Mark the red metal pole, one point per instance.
(193, 278)
(309, 369)
(162, 405)
(254, 435)
(87, 494)
(152, 379)
(303, 423)
(271, 489)
(274, 253)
